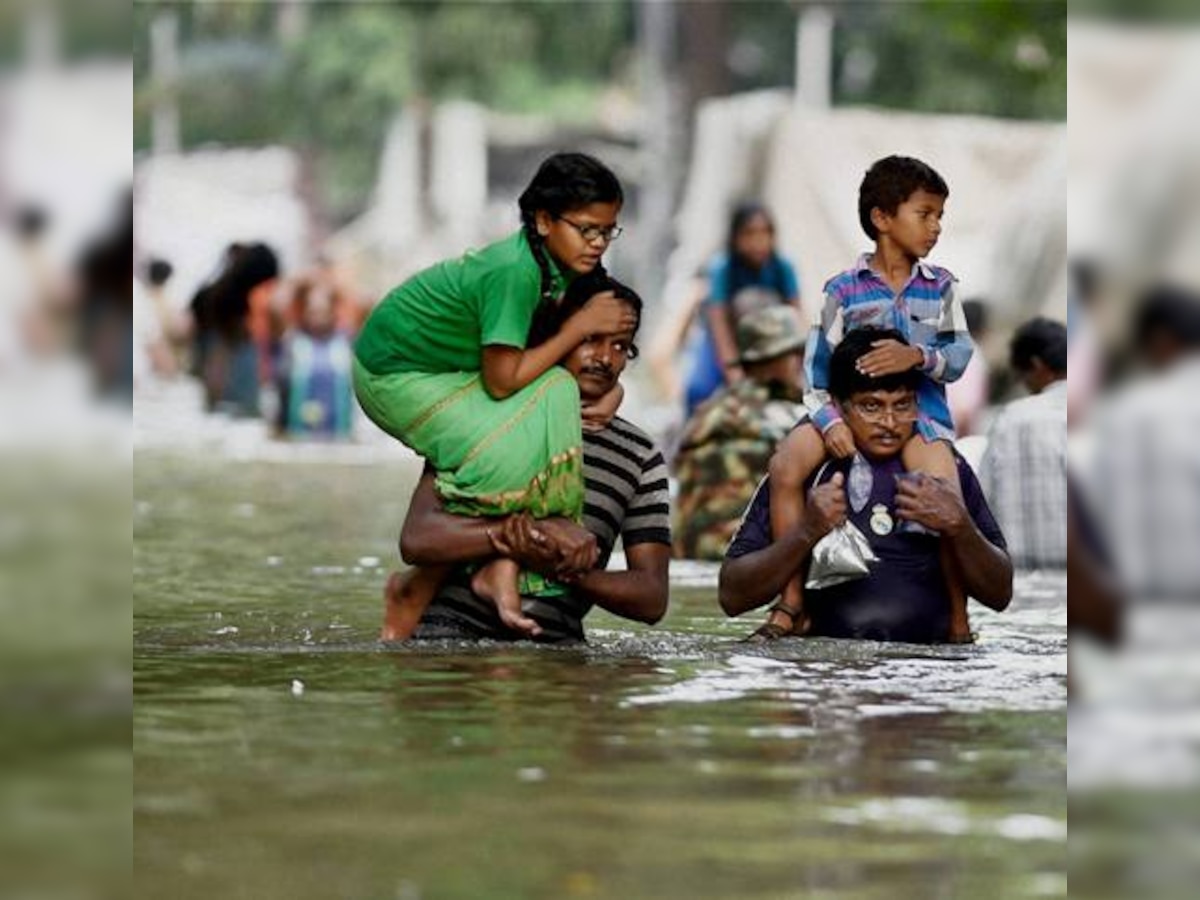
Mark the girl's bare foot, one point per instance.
(405, 597)
(497, 581)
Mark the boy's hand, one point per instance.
(598, 415)
(839, 440)
(889, 358)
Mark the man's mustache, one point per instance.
(597, 369)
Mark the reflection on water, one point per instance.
(281, 753)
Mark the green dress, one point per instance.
(417, 376)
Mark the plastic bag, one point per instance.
(842, 555)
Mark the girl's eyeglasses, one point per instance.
(592, 233)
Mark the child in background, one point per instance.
(314, 365)
(900, 206)
(441, 365)
(749, 275)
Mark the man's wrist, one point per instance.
(922, 360)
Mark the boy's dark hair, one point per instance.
(549, 317)
(844, 378)
(159, 271)
(1171, 311)
(564, 182)
(1039, 338)
(891, 181)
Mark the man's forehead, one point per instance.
(883, 396)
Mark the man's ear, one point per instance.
(879, 218)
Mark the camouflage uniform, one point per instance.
(728, 442)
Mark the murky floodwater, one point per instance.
(281, 753)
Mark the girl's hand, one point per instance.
(889, 358)
(598, 415)
(839, 440)
(603, 314)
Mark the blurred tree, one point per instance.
(334, 90)
(990, 57)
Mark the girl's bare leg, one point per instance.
(497, 581)
(936, 458)
(795, 459)
(405, 598)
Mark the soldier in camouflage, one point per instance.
(729, 440)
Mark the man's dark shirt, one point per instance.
(904, 597)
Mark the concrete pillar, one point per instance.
(398, 201)
(660, 144)
(458, 174)
(164, 74)
(814, 57)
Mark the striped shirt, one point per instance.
(626, 496)
(1024, 475)
(926, 311)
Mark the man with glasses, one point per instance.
(903, 597)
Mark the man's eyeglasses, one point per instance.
(591, 233)
(877, 413)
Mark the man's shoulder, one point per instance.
(626, 438)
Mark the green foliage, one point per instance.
(335, 91)
(990, 57)
(346, 79)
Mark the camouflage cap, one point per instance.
(768, 333)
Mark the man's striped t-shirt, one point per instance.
(626, 496)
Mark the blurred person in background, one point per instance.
(313, 372)
(968, 397)
(155, 283)
(1083, 346)
(728, 442)
(45, 318)
(749, 275)
(232, 317)
(105, 278)
(1146, 464)
(1024, 469)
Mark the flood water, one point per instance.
(281, 752)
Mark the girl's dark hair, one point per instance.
(742, 215)
(550, 317)
(564, 181)
(891, 181)
(844, 378)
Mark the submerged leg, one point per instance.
(405, 598)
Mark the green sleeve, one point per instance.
(506, 298)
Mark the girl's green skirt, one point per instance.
(493, 457)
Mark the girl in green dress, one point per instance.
(441, 365)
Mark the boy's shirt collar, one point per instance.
(864, 267)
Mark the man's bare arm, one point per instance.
(639, 593)
(749, 581)
(433, 537)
